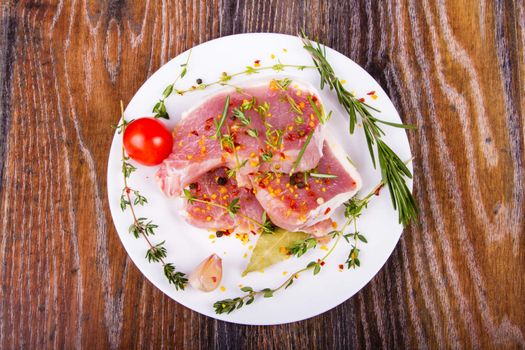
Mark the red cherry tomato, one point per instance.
(147, 141)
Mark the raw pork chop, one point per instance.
(275, 120)
(215, 186)
(295, 205)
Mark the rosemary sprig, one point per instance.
(141, 226)
(301, 152)
(220, 122)
(393, 170)
(323, 176)
(319, 112)
(160, 108)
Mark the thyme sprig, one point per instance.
(160, 108)
(230, 305)
(393, 170)
(353, 210)
(233, 208)
(142, 226)
(249, 70)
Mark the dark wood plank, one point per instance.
(454, 69)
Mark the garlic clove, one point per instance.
(207, 275)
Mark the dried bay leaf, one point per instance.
(268, 250)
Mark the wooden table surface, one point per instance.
(456, 69)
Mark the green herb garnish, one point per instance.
(160, 108)
(393, 170)
(142, 227)
(301, 152)
(220, 123)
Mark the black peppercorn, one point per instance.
(219, 233)
(193, 186)
(222, 180)
(300, 185)
(199, 81)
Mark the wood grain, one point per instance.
(456, 69)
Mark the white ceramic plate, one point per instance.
(310, 295)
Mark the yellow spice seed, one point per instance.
(285, 273)
(323, 247)
(374, 97)
(343, 81)
(213, 196)
(272, 56)
(211, 236)
(250, 247)
(208, 218)
(189, 156)
(284, 50)
(245, 255)
(223, 289)
(323, 189)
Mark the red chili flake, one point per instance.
(327, 211)
(314, 98)
(341, 266)
(261, 184)
(227, 232)
(293, 205)
(322, 263)
(253, 232)
(194, 132)
(207, 127)
(128, 190)
(371, 93)
(214, 279)
(283, 156)
(378, 190)
(361, 100)
(257, 61)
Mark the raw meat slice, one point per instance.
(215, 187)
(295, 205)
(272, 126)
